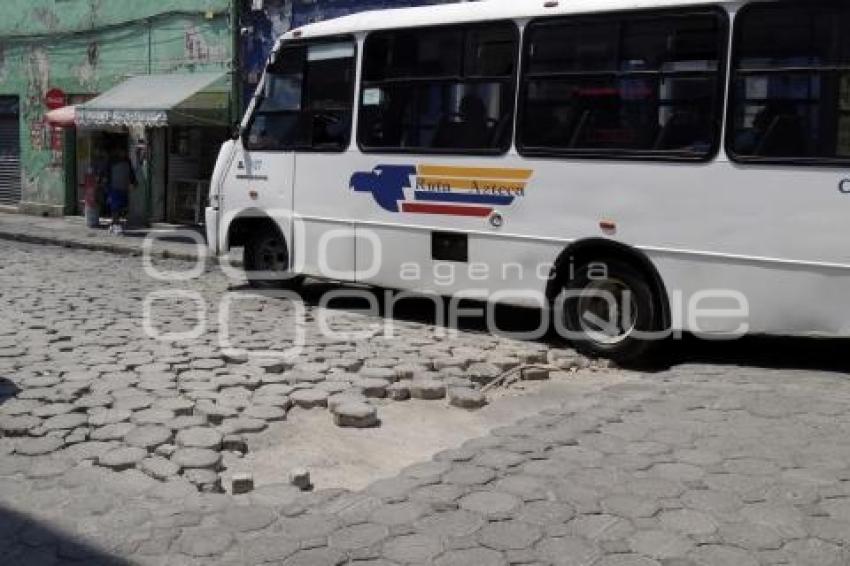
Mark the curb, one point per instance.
(129, 251)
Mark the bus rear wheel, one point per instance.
(266, 260)
(609, 310)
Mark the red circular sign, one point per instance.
(55, 98)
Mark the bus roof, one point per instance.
(485, 10)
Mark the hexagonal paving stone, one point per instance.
(123, 458)
(38, 446)
(159, 468)
(310, 398)
(412, 549)
(428, 389)
(357, 536)
(148, 437)
(204, 542)
(493, 504)
(199, 437)
(353, 414)
(105, 417)
(469, 556)
(247, 518)
(189, 458)
(509, 535)
(466, 398)
(65, 421)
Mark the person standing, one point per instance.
(122, 179)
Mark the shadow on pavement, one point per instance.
(753, 351)
(27, 542)
(8, 390)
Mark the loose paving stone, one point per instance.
(242, 425)
(159, 468)
(269, 413)
(429, 390)
(398, 391)
(466, 398)
(199, 437)
(241, 484)
(374, 388)
(123, 458)
(190, 458)
(207, 481)
(310, 398)
(354, 414)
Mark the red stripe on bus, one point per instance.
(472, 211)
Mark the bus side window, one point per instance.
(447, 89)
(791, 83)
(306, 100)
(638, 84)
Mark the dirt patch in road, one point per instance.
(410, 432)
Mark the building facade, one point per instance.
(78, 49)
(85, 53)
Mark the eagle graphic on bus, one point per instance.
(473, 192)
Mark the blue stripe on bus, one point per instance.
(495, 200)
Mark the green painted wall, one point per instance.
(87, 46)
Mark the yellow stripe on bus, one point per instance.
(475, 172)
(470, 184)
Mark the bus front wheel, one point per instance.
(609, 310)
(266, 260)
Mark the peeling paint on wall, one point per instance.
(85, 47)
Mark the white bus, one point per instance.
(642, 167)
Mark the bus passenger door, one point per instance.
(324, 229)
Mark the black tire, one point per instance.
(624, 340)
(266, 255)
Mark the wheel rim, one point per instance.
(607, 312)
(271, 256)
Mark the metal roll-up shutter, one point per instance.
(10, 153)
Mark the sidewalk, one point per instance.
(169, 241)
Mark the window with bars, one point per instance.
(790, 94)
(629, 85)
(439, 90)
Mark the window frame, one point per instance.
(472, 79)
(732, 104)
(723, 19)
(306, 43)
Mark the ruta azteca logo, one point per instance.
(436, 189)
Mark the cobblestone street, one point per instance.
(114, 445)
